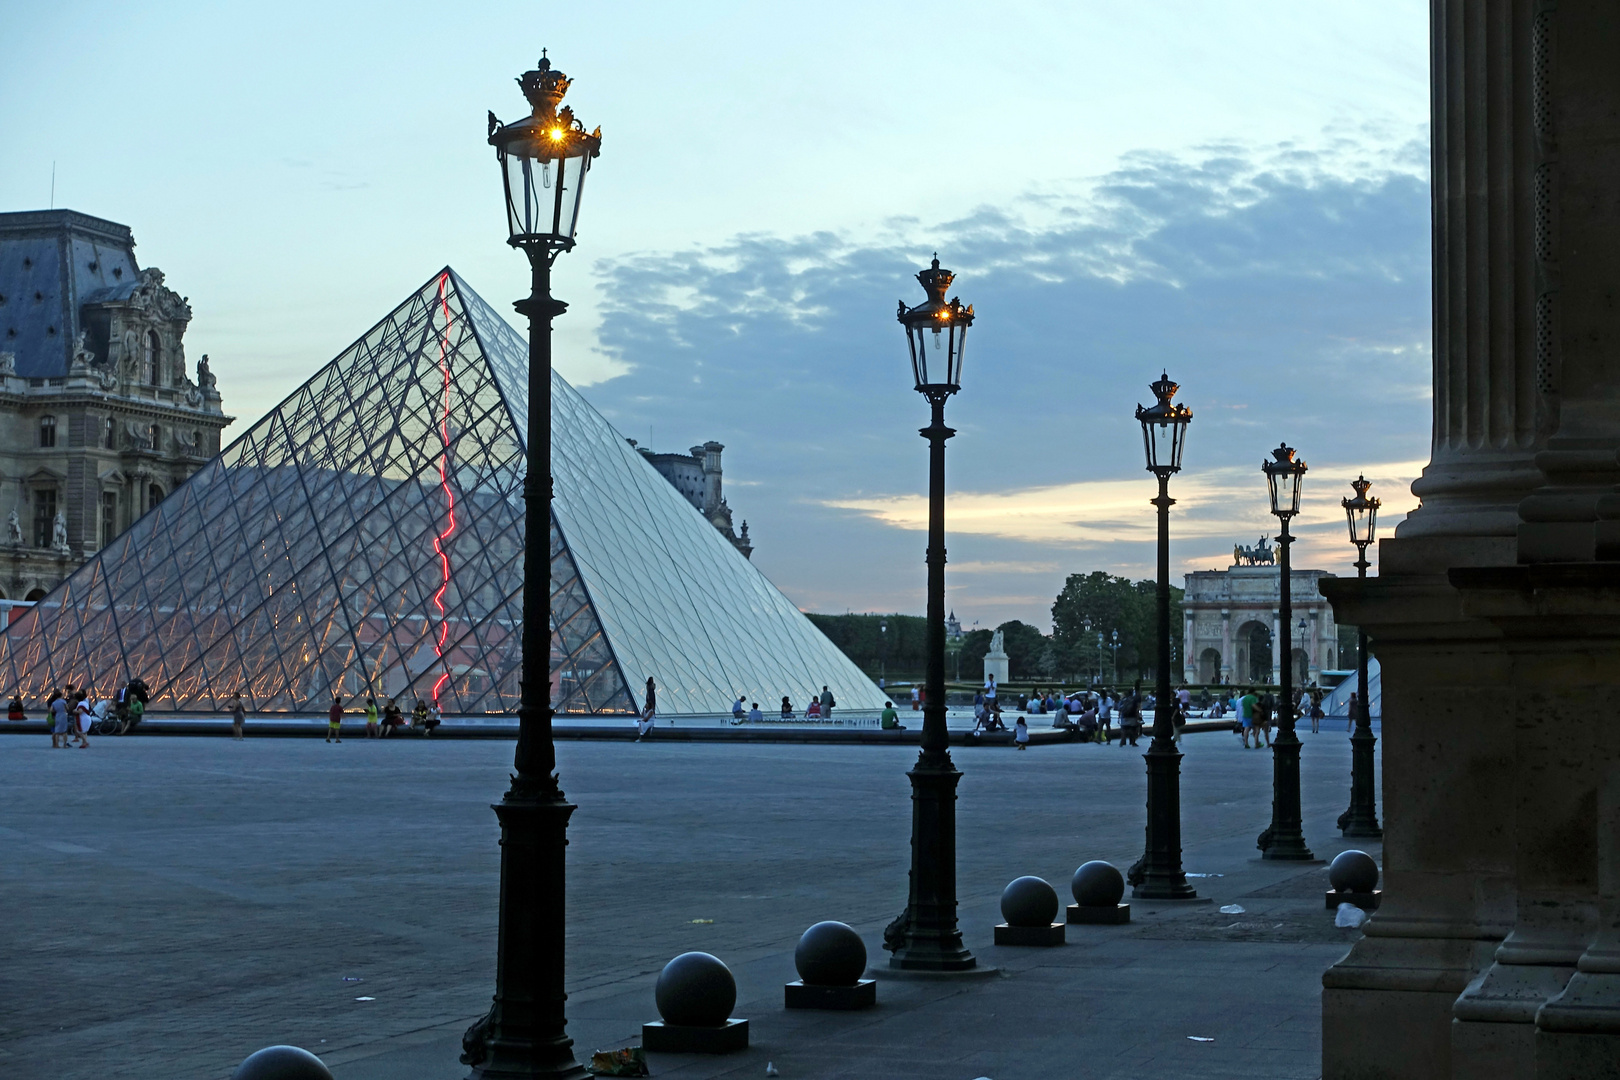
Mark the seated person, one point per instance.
(787, 709)
(754, 715)
(15, 711)
(737, 709)
(813, 711)
(889, 720)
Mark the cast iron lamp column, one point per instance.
(925, 937)
(544, 159)
(1361, 820)
(1284, 838)
(1158, 874)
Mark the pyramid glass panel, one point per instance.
(366, 537)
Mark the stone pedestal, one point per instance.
(1030, 935)
(801, 995)
(995, 663)
(688, 1039)
(1366, 901)
(1117, 915)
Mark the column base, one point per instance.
(1493, 1029)
(1386, 1007)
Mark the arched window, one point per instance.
(154, 495)
(35, 595)
(151, 358)
(47, 431)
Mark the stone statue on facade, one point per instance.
(59, 539)
(205, 378)
(13, 529)
(8, 364)
(82, 356)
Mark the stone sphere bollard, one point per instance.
(1353, 871)
(282, 1063)
(695, 990)
(1097, 884)
(830, 954)
(1029, 901)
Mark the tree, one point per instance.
(1099, 602)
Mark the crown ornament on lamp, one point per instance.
(544, 159)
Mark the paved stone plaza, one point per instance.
(175, 903)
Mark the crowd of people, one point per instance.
(383, 723)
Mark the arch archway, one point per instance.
(1302, 668)
(1252, 643)
(35, 595)
(1209, 666)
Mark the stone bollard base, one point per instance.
(1104, 916)
(685, 1039)
(800, 995)
(1366, 901)
(1029, 935)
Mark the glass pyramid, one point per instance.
(366, 538)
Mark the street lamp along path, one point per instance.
(925, 936)
(1284, 838)
(1361, 819)
(544, 158)
(1158, 874)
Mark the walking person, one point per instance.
(1316, 711)
(1021, 732)
(1263, 711)
(1130, 718)
(649, 710)
(1246, 706)
(56, 711)
(827, 703)
(371, 719)
(238, 715)
(916, 697)
(83, 718)
(1350, 717)
(334, 720)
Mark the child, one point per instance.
(371, 718)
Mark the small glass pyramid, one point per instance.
(366, 538)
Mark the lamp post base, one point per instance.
(1361, 820)
(925, 938)
(523, 1036)
(1284, 838)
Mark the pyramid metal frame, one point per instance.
(365, 537)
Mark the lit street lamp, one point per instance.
(544, 158)
(1284, 838)
(925, 936)
(1158, 874)
(1361, 820)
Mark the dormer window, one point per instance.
(47, 431)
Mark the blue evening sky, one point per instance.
(1235, 190)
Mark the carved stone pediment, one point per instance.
(153, 297)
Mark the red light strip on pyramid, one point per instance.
(444, 484)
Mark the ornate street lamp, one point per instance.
(1158, 875)
(1361, 820)
(1115, 648)
(925, 936)
(1284, 838)
(544, 158)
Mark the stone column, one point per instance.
(1189, 648)
(1280, 639)
(1448, 745)
(1226, 646)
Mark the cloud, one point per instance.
(1286, 288)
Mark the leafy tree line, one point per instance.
(1089, 604)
